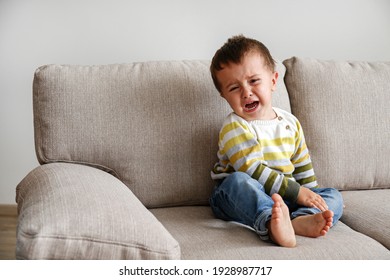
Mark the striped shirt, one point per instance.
(274, 152)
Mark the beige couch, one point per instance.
(126, 152)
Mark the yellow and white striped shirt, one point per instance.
(273, 152)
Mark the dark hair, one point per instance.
(234, 50)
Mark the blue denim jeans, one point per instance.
(242, 199)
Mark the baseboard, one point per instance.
(8, 210)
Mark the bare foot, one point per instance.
(280, 228)
(313, 225)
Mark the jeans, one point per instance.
(242, 199)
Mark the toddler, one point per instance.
(264, 175)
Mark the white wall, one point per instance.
(37, 32)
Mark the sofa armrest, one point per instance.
(70, 211)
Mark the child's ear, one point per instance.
(274, 80)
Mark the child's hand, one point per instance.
(310, 199)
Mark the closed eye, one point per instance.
(254, 81)
(233, 88)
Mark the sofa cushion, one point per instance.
(154, 125)
(201, 236)
(344, 111)
(369, 213)
(69, 211)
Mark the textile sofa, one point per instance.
(126, 150)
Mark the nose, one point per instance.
(246, 92)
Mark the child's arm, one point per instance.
(303, 168)
(304, 173)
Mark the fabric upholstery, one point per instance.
(201, 236)
(344, 111)
(114, 140)
(154, 125)
(69, 211)
(369, 213)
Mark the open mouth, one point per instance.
(251, 106)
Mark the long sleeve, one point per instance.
(303, 168)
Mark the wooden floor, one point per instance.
(8, 221)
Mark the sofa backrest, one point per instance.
(344, 109)
(154, 125)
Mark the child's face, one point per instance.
(248, 87)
